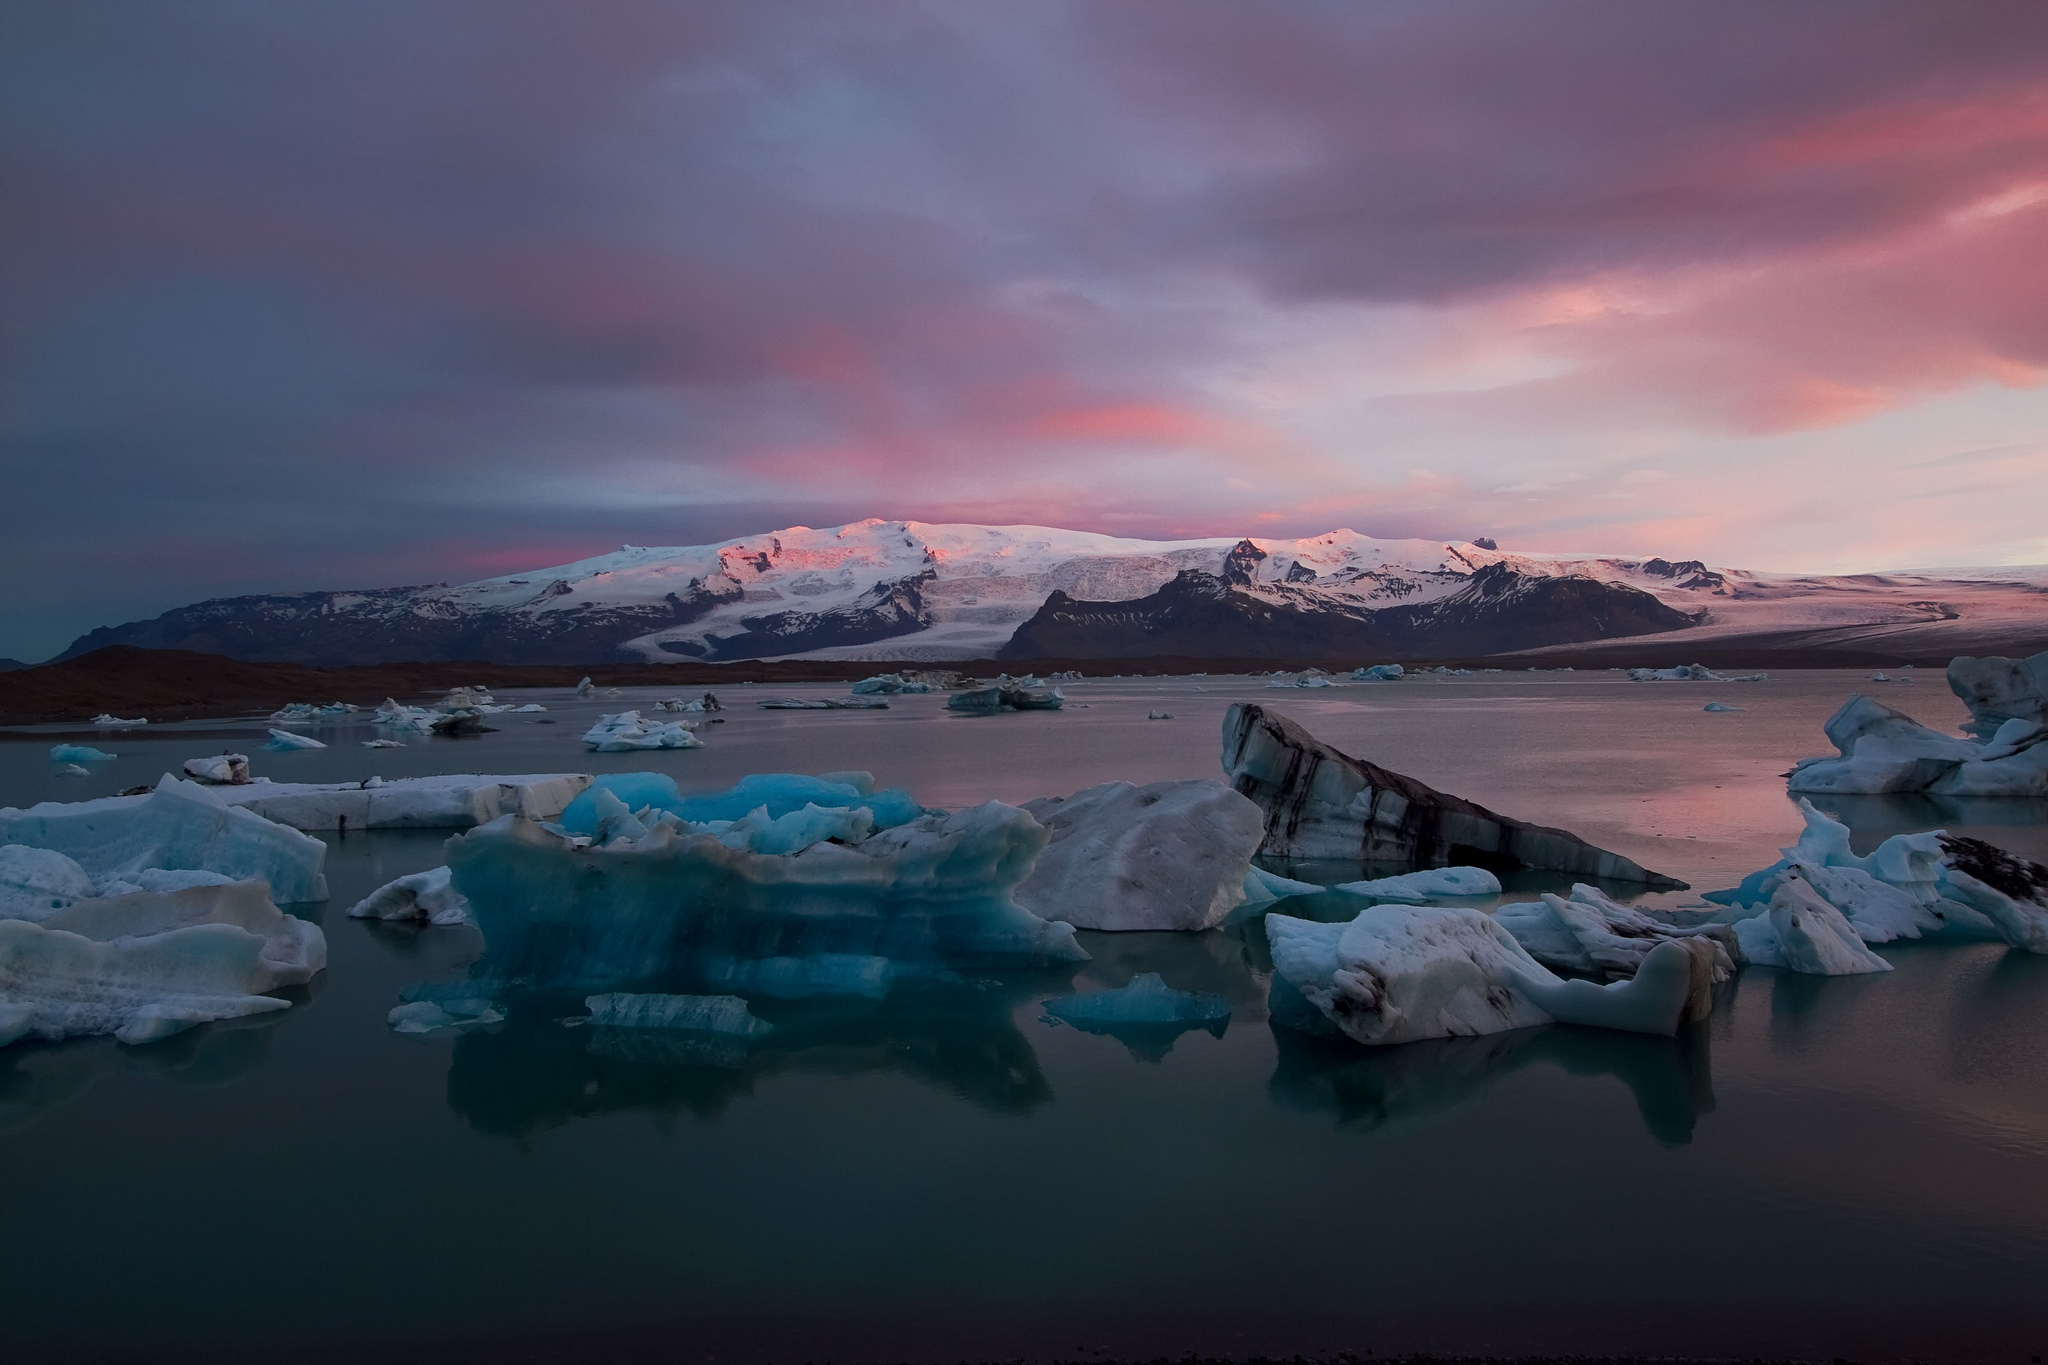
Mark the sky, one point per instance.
(376, 292)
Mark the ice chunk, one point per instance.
(179, 825)
(73, 770)
(1882, 750)
(2010, 892)
(1998, 690)
(106, 721)
(1683, 673)
(531, 708)
(688, 909)
(1720, 707)
(1399, 973)
(220, 770)
(722, 1014)
(1263, 888)
(35, 883)
(1147, 1000)
(282, 740)
(1436, 883)
(1803, 933)
(1589, 933)
(1025, 695)
(861, 703)
(625, 732)
(447, 801)
(586, 688)
(406, 719)
(1172, 855)
(428, 1016)
(1159, 715)
(421, 896)
(145, 966)
(1321, 803)
(383, 744)
(777, 793)
(1379, 673)
(888, 684)
(78, 753)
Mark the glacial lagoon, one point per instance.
(1842, 1166)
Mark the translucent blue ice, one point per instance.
(779, 793)
(77, 753)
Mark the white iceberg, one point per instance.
(406, 719)
(148, 965)
(1801, 932)
(107, 721)
(177, 826)
(446, 801)
(1436, 883)
(626, 731)
(1589, 933)
(429, 1016)
(283, 740)
(1172, 855)
(586, 688)
(1880, 750)
(1400, 973)
(422, 896)
(1146, 1000)
(722, 1014)
(221, 770)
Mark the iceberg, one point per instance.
(1026, 695)
(625, 732)
(1146, 1000)
(177, 826)
(888, 684)
(449, 801)
(1322, 803)
(1683, 673)
(586, 688)
(1437, 883)
(1172, 855)
(1799, 931)
(107, 721)
(35, 883)
(1588, 933)
(1719, 707)
(1263, 888)
(429, 1016)
(1400, 973)
(221, 770)
(860, 703)
(407, 719)
(148, 965)
(78, 753)
(1880, 750)
(722, 1014)
(283, 740)
(1999, 690)
(1379, 673)
(423, 896)
(777, 794)
(709, 909)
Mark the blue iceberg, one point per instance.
(778, 793)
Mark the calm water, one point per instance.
(1831, 1167)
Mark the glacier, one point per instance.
(1167, 856)
(147, 965)
(1400, 973)
(177, 826)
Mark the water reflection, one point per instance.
(1371, 1087)
(36, 1078)
(535, 1073)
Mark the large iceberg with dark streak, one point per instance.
(813, 902)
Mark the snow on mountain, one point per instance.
(911, 590)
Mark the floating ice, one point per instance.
(1683, 673)
(428, 1016)
(406, 719)
(78, 753)
(178, 826)
(282, 740)
(688, 908)
(73, 770)
(861, 703)
(585, 688)
(421, 896)
(35, 883)
(625, 732)
(446, 801)
(777, 793)
(531, 708)
(1007, 696)
(1379, 673)
(1801, 932)
(1882, 750)
(305, 713)
(1321, 803)
(1147, 1000)
(106, 721)
(1436, 883)
(1399, 973)
(888, 684)
(383, 744)
(1588, 933)
(1172, 855)
(1263, 888)
(1720, 706)
(1159, 715)
(1998, 690)
(1314, 677)
(722, 1014)
(221, 770)
(145, 966)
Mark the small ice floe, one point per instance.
(405, 719)
(1146, 1000)
(430, 1016)
(1314, 677)
(105, 721)
(383, 744)
(147, 964)
(1719, 707)
(282, 741)
(78, 753)
(1172, 855)
(849, 703)
(1159, 715)
(305, 713)
(221, 770)
(625, 732)
(73, 770)
(586, 688)
(530, 708)
(427, 896)
(1400, 973)
(1436, 883)
(1379, 673)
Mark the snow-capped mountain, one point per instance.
(916, 591)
